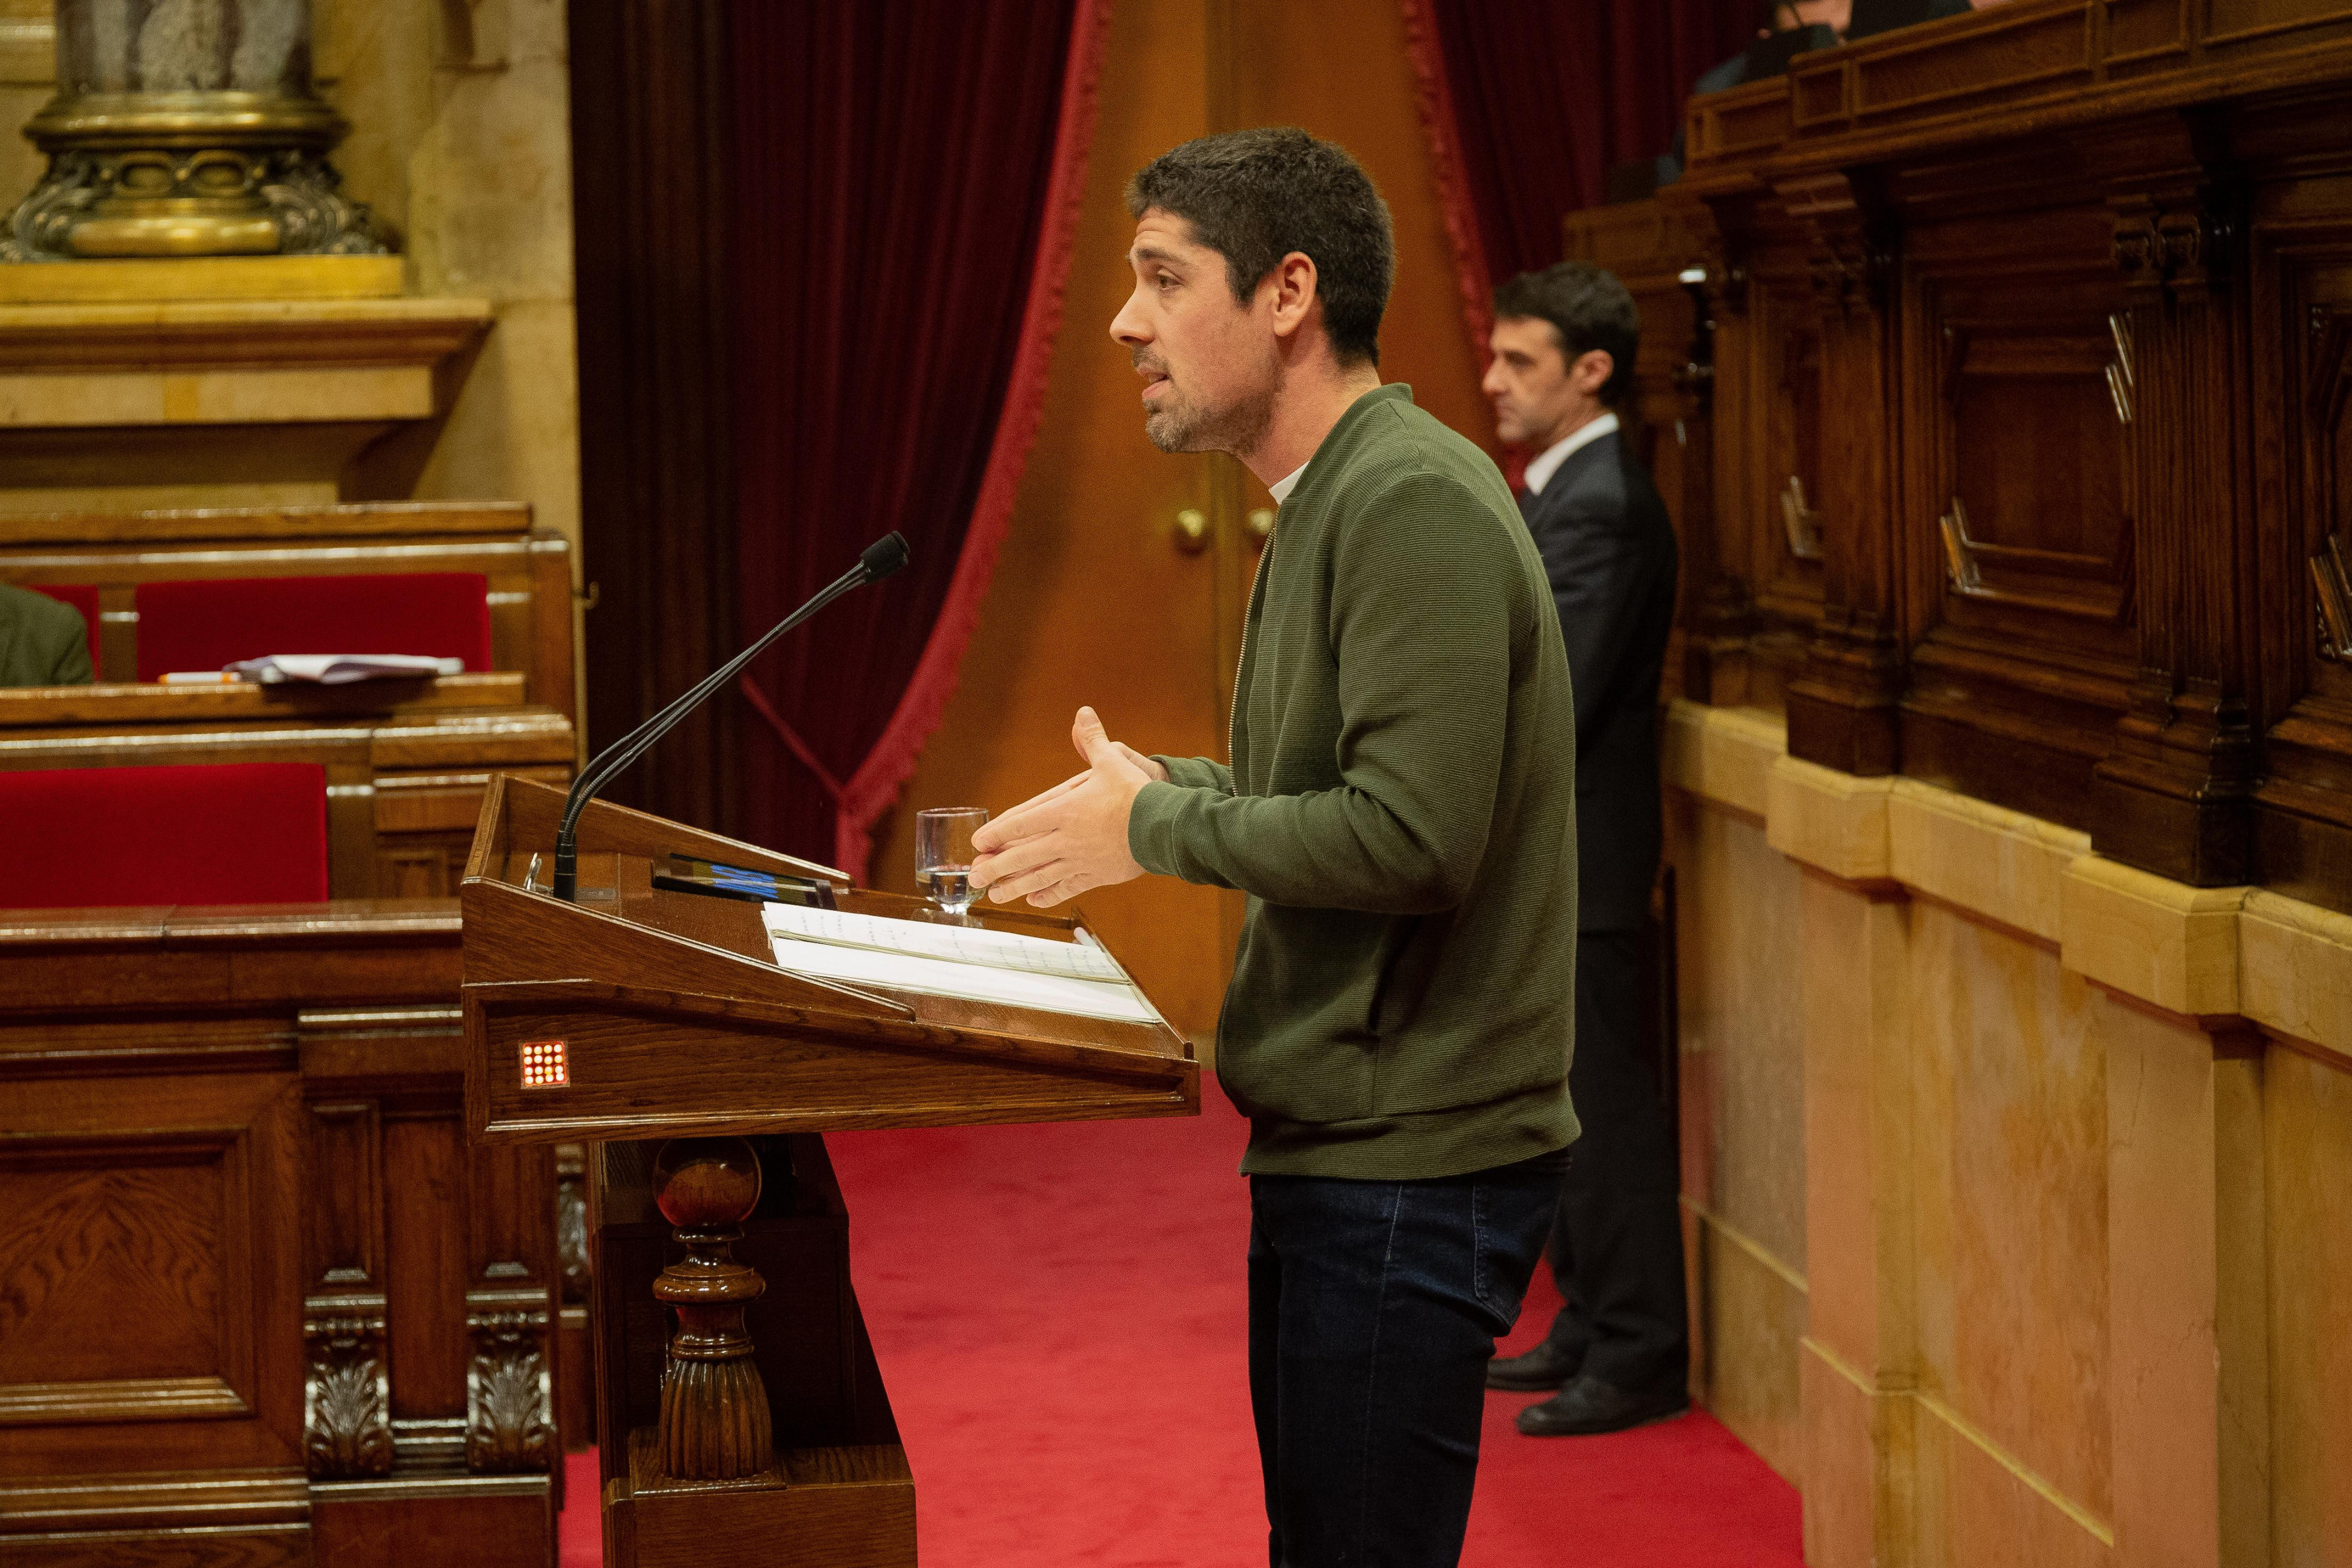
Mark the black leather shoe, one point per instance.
(1545, 1366)
(1588, 1407)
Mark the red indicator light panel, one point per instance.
(544, 1066)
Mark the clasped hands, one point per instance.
(1056, 845)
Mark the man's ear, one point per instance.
(1294, 287)
(1592, 371)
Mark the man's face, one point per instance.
(1208, 362)
(1531, 384)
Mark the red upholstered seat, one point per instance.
(204, 623)
(233, 834)
(82, 596)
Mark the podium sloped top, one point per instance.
(642, 1012)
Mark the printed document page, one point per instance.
(954, 978)
(959, 944)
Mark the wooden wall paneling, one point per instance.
(347, 1382)
(2017, 487)
(457, 1422)
(1842, 707)
(1725, 637)
(511, 1305)
(575, 1361)
(1646, 245)
(425, 1164)
(1767, 411)
(153, 1248)
(2180, 779)
(1785, 415)
(2299, 288)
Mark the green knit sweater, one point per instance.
(1402, 811)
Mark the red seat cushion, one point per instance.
(74, 838)
(82, 596)
(204, 623)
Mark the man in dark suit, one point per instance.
(1563, 344)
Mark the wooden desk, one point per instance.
(406, 761)
(259, 1284)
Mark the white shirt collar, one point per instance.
(1540, 469)
(1282, 487)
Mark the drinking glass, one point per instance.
(943, 854)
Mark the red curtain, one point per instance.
(908, 179)
(1544, 98)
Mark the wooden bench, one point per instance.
(529, 570)
(406, 760)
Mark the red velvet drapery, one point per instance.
(1544, 98)
(907, 178)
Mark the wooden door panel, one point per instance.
(2302, 830)
(1788, 549)
(2026, 468)
(96, 1222)
(148, 1315)
(2017, 507)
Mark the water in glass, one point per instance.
(943, 853)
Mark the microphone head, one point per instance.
(884, 556)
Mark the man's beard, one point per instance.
(1236, 428)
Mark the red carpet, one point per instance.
(1059, 1315)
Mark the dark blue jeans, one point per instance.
(1374, 1308)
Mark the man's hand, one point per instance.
(1073, 837)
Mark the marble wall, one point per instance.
(461, 143)
(2071, 1282)
(1743, 1127)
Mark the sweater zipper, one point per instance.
(1241, 663)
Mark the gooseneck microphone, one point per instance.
(879, 560)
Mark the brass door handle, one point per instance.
(1192, 531)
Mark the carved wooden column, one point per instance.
(1842, 706)
(1717, 611)
(714, 1408)
(510, 1313)
(346, 1388)
(2181, 778)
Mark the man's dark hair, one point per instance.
(1254, 196)
(1589, 309)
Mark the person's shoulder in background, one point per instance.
(42, 640)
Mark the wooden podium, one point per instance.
(756, 1427)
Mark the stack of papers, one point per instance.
(965, 961)
(336, 669)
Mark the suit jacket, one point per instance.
(42, 640)
(1608, 550)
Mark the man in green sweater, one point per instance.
(1401, 809)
